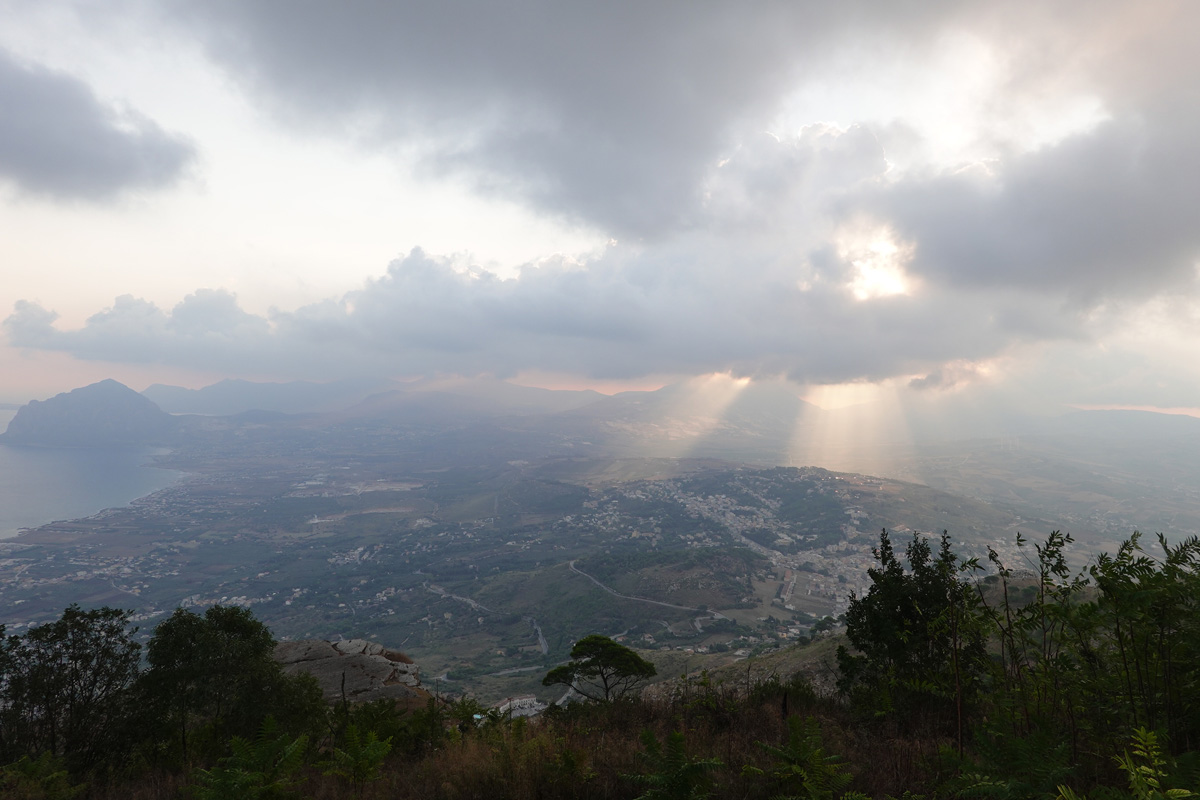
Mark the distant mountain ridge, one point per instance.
(441, 398)
(761, 422)
(101, 414)
(457, 401)
(235, 396)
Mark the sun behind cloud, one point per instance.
(878, 260)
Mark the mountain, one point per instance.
(506, 398)
(755, 422)
(457, 401)
(443, 398)
(236, 396)
(104, 413)
(1128, 424)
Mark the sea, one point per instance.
(46, 484)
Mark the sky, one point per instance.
(995, 201)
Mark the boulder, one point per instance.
(305, 650)
(358, 670)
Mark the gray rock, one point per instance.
(359, 670)
(351, 647)
(305, 650)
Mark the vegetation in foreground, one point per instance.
(960, 679)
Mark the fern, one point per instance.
(257, 770)
(674, 775)
(1011, 767)
(1145, 768)
(359, 759)
(803, 764)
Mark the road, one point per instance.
(541, 639)
(515, 670)
(443, 593)
(615, 593)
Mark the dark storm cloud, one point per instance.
(607, 113)
(58, 139)
(1109, 214)
(617, 115)
(1112, 211)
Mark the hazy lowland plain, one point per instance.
(483, 527)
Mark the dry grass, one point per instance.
(588, 752)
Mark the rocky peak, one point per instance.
(104, 413)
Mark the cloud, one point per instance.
(618, 116)
(57, 139)
(206, 330)
(824, 251)
(623, 315)
(1108, 212)
(777, 292)
(609, 114)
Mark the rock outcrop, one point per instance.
(354, 668)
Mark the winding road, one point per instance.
(541, 639)
(443, 593)
(615, 593)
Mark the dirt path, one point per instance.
(615, 593)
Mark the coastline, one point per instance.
(42, 485)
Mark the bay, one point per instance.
(45, 484)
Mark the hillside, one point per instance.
(101, 414)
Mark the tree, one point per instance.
(217, 673)
(63, 685)
(1150, 608)
(601, 669)
(919, 632)
(41, 778)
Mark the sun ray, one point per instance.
(675, 420)
(859, 428)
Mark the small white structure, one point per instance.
(525, 705)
